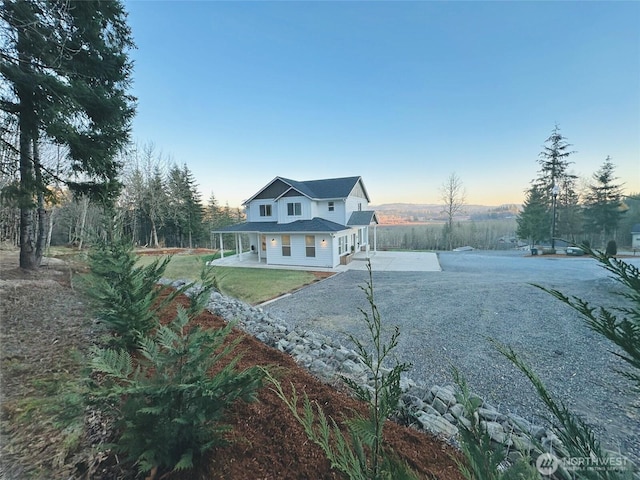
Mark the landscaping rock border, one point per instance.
(435, 410)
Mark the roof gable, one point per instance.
(325, 189)
(273, 189)
(364, 217)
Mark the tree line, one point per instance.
(158, 205)
(556, 208)
(491, 234)
(65, 121)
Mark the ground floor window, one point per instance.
(286, 245)
(310, 242)
(342, 245)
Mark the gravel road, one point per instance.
(446, 317)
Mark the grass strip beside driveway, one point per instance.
(251, 285)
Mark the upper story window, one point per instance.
(265, 210)
(359, 207)
(331, 206)
(294, 209)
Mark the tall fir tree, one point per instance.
(554, 161)
(553, 176)
(212, 218)
(185, 210)
(569, 210)
(603, 202)
(68, 71)
(534, 220)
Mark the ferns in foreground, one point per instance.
(125, 297)
(363, 455)
(170, 408)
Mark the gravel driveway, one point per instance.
(445, 318)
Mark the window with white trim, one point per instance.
(286, 245)
(294, 209)
(332, 206)
(265, 210)
(310, 242)
(342, 245)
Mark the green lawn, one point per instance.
(251, 285)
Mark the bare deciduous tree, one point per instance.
(453, 196)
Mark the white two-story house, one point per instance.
(313, 223)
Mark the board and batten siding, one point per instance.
(324, 251)
(283, 216)
(253, 211)
(353, 202)
(321, 209)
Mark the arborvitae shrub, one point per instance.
(612, 248)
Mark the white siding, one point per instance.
(282, 209)
(338, 214)
(254, 242)
(324, 251)
(316, 209)
(253, 211)
(352, 204)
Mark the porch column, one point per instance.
(375, 238)
(367, 246)
(221, 247)
(259, 246)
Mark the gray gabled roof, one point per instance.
(364, 217)
(326, 189)
(315, 225)
(635, 228)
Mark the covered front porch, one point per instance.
(309, 249)
(380, 262)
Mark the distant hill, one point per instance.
(403, 213)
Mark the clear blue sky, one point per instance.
(400, 93)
